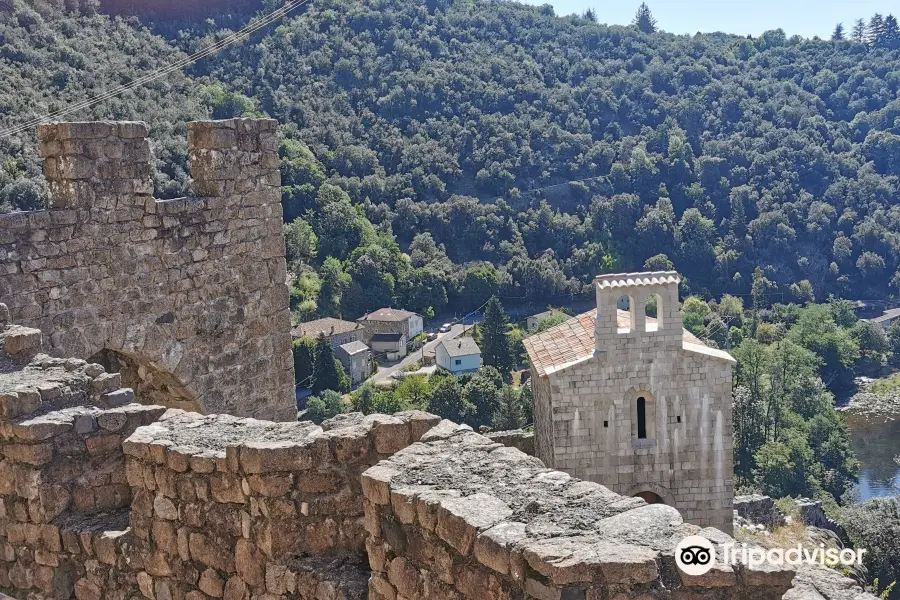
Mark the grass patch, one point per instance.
(886, 386)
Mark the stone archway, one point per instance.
(152, 384)
(650, 497)
(652, 493)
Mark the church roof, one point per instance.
(621, 280)
(573, 340)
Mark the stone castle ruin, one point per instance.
(186, 298)
(104, 498)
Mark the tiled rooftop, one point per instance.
(388, 314)
(328, 326)
(618, 280)
(574, 340)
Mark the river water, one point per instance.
(876, 442)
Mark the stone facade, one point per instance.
(187, 298)
(391, 320)
(635, 403)
(357, 360)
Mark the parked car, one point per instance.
(445, 328)
(432, 336)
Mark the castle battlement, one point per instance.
(187, 297)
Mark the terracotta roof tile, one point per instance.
(328, 326)
(573, 340)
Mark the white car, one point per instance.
(444, 328)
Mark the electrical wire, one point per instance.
(160, 73)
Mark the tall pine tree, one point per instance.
(860, 32)
(644, 20)
(495, 344)
(876, 30)
(891, 35)
(328, 373)
(838, 34)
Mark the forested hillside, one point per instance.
(423, 136)
(50, 59)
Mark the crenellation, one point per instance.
(151, 287)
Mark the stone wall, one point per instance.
(63, 493)
(757, 509)
(812, 513)
(101, 497)
(224, 503)
(186, 296)
(522, 439)
(460, 517)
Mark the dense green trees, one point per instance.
(875, 526)
(551, 148)
(327, 371)
(479, 399)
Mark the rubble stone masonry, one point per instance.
(460, 517)
(187, 297)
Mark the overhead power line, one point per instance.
(160, 73)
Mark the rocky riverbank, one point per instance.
(874, 401)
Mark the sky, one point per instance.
(804, 17)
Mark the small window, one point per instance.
(606, 423)
(458, 361)
(641, 418)
(678, 418)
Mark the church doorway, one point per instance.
(650, 497)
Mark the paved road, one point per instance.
(416, 356)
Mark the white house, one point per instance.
(391, 345)
(458, 356)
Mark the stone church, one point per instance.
(631, 400)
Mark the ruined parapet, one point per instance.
(223, 503)
(759, 510)
(523, 439)
(812, 513)
(187, 297)
(96, 165)
(460, 517)
(62, 469)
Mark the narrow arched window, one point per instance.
(642, 418)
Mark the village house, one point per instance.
(534, 321)
(357, 360)
(392, 320)
(887, 318)
(636, 403)
(460, 355)
(336, 331)
(391, 346)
